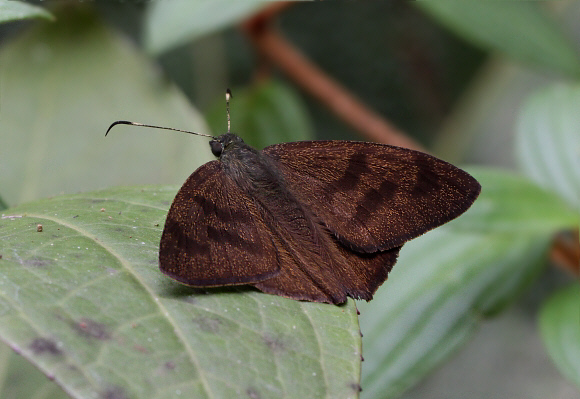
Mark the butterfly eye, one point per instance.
(216, 148)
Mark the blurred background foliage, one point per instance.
(488, 83)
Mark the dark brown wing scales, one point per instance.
(367, 271)
(374, 197)
(315, 221)
(355, 275)
(215, 234)
(314, 266)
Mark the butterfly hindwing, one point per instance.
(314, 265)
(373, 197)
(355, 275)
(214, 233)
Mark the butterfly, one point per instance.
(312, 220)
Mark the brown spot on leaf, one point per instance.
(44, 345)
(276, 344)
(91, 329)
(170, 365)
(253, 393)
(140, 348)
(191, 299)
(37, 262)
(208, 324)
(355, 387)
(114, 393)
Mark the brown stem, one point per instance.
(314, 81)
(566, 252)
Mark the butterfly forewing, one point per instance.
(373, 197)
(214, 233)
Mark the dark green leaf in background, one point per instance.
(85, 302)
(522, 30)
(560, 327)
(80, 77)
(448, 280)
(172, 23)
(511, 203)
(12, 10)
(548, 141)
(548, 150)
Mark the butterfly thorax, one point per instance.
(258, 175)
(254, 172)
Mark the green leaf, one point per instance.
(522, 30)
(560, 328)
(11, 10)
(20, 379)
(67, 82)
(446, 281)
(511, 203)
(85, 302)
(548, 142)
(173, 23)
(264, 114)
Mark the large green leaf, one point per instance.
(547, 149)
(446, 281)
(20, 379)
(548, 140)
(560, 327)
(85, 302)
(522, 30)
(11, 10)
(66, 83)
(172, 23)
(511, 203)
(264, 114)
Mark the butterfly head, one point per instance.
(223, 143)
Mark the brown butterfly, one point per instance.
(311, 220)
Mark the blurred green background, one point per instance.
(492, 83)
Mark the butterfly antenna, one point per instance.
(156, 127)
(228, 96)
